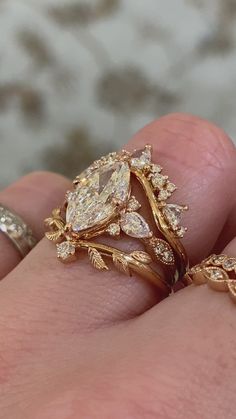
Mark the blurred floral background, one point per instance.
(78, 77)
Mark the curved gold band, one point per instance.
(102, 204)
(218, 271)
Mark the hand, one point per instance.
(76, 343)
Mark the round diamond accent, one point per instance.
(65, 250)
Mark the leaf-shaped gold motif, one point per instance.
(96, 259)
(56, 212)
(49, 221)
(217, 278)
(141, 256)
(121, 263)
(59, 224)
(54, 235)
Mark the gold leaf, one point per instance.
(142, 257)
(96, 259)
(121, 263)
(54, 235)
(49, 221)
(59, 224)
(56, 212)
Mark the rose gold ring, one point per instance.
(102, 204)
(218, 271)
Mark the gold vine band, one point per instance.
(218, 271)
(102, 203)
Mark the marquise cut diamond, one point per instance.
(95, 197)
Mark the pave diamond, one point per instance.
(217, 274)
(134, 225)
(95, 197)
(218, 259)
(229, 264)
(163, 251)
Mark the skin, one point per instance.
(76, 343)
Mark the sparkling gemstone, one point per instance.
(160, 248)
(167, 256)
(215, 273)
(133, 204)
(181, 232)
(65, 250)
(229, 264)
(134, 225)
(163, 251)
(156, 168)
(96, 195)
(141, 158)
(158, 181)
(163, 195)
(171, 187)
(173, 214)
(16, 230)
(113, 229)
(218, 259)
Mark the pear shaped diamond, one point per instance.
(134, 225)
(95, 198)
(141, 158)
(173, 214)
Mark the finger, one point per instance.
(200, 159)
(31, 197)
(196, 351)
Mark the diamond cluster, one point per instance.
(141, 160)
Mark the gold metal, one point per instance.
(217, 271)
(102, 204)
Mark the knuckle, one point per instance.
(201, 138)
(188, 141)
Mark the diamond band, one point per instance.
(218, 271)
(101, 204)
(16, 230)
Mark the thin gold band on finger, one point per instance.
(102, 204)
(217, 271)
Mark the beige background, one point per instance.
(77, 78)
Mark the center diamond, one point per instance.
(93, 201)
